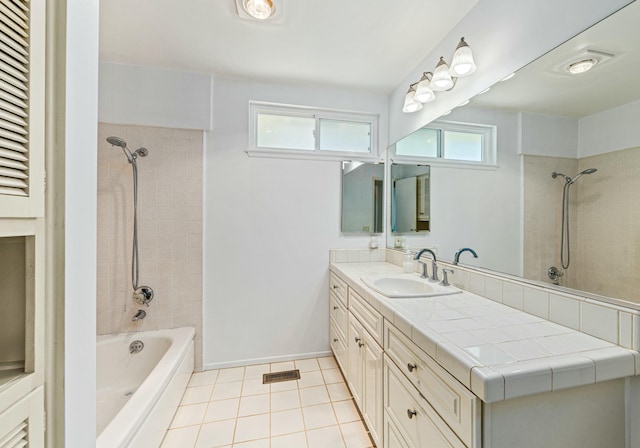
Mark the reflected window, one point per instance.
(451, 142)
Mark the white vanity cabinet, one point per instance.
(338, 320)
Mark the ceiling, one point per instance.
(541, 88)
(368, 45)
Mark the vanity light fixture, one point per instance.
(424, 94)
(259, 9)
(443, 78)
(410, 102)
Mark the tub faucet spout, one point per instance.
(434, 266)
(140, 314)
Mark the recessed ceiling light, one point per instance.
(261, 10)
(581, 66)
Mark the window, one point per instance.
(451, 142)
(294, 131)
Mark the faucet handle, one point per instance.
(445, 280)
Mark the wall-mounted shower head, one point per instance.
(117, 141)
(566, 178)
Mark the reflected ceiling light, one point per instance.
(484, 91)
(443, 78)
(424, 94)
(581, 66)
(508, 77)
(410, 102)
(259, 9)
(462, 63)
(464, 103)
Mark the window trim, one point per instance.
(489, 146)
(318, 114)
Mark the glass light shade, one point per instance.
(424, 94)
(410, 103)
(462, 63)
(259, 9)
(441, 78)
(581, 66)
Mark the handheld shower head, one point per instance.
(117, 141)
(587, 171)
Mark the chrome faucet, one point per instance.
(456, 257)
(434, 266)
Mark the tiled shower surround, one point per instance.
(169, 230)
(604, 213)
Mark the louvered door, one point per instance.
(22, 96)
(22, 425)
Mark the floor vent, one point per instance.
(285, 375)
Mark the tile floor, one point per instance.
(231, 408)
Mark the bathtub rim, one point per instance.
(121, 430)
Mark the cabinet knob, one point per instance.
(411, 413)
(335, 339)
(357, 339)
(360, 344)
(411, 367)
(335, 286)
(335, 307)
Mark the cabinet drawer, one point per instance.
(338, 314)
(370, 319)
(339, 287)
(338, 347)
(454, 403)
(418, 423)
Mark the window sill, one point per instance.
(312, 155)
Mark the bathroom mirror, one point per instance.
(584, 128)
(362, 197)
(410, 198)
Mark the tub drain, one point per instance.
(136, 347)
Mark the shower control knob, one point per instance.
(143, 295)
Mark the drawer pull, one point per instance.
(336, 287)
(335, 339)
(411, 413)
(411, 367)
(335, 307)
(360, 344)
(357, 339)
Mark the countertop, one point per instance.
(496, 351)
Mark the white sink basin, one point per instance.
(407, 286)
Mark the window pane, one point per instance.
(345, 136)
(279, 131)
(423, 143)
(462, 146)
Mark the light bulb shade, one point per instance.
(410, 102)
(424, 94)
(441, 78)
(259, 9)
(462, 63)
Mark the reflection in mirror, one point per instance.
(410, 198)
(362, 197)
(549, 120)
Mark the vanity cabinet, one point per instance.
(338, 320)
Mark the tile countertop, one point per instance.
(496, 351)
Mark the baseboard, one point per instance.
(266, 360)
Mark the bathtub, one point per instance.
(138, 394)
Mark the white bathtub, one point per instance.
(138, 394)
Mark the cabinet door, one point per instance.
(355, 360)
(23, 423)
(372, 384)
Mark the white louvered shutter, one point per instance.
(14, 97)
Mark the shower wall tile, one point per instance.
(169, 224)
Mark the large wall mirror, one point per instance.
(584, 128)
(362, 197)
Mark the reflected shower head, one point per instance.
(117, 141)
(587, 171)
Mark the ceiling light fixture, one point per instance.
(259, 9)
(581, 66)
(443, 78)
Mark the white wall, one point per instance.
(548, 135)
(610, 130)
(269, 225)
(134, 94)
(504, 36)
(80, 135)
